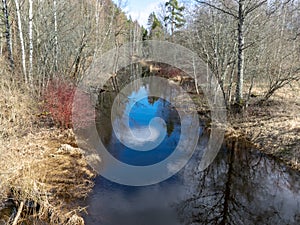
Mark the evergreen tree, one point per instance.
(155, 27)
(174, 18)
(144, 34)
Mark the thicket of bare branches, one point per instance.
(264, 54)
(46, 39)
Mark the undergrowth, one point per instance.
(58, 102)
(17, 108)
(41, 175)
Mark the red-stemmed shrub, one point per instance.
(170, 72)
(58, 102)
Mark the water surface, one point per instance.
(242, 186)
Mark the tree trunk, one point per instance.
(7, 34)
(55, 35)
(241, 58)
(21, 40)
(195, 77)
(30, 42)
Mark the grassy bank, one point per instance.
(274, 125)
(43, 174)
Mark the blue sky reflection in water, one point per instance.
(140, 115)
(242, 186)
(139, 205)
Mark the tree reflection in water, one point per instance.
(242, 186)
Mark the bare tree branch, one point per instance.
(251, 9)
(218, 8)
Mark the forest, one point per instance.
(48, 48)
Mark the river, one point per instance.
(241, 186)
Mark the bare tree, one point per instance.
(240, 10)
(21, 40)
(62, 37)
(8, 33)
(280, 65)
(213, 36)
(30, 28)
(55, 34)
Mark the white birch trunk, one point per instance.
(55, 33)
(241, 53)
(30, 41)
(21, 40)
(1, 47)
(98, 8)
(195, 77)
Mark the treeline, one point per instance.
(246, 43)
(42, 40)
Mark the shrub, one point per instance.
(17, 107)
(58, 99)
(170, 72)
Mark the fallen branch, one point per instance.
(18, 213)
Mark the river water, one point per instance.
(241, 186)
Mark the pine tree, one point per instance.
(174, 18)
(155, 27)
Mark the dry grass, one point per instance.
(39, 168)
(274, 126)
(17, 109)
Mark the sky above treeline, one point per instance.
(139, 9)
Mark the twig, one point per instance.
(18, 213)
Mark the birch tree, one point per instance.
(212, 35)
(59, 39)
(21, 40)
(8, 34)
(30, 27)
(55, 34)
(240, 10)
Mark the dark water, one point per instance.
(242, 186)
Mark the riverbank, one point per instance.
(274, 125)
(43, 175)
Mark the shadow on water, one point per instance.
(242, 186)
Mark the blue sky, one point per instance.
(140, 9)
